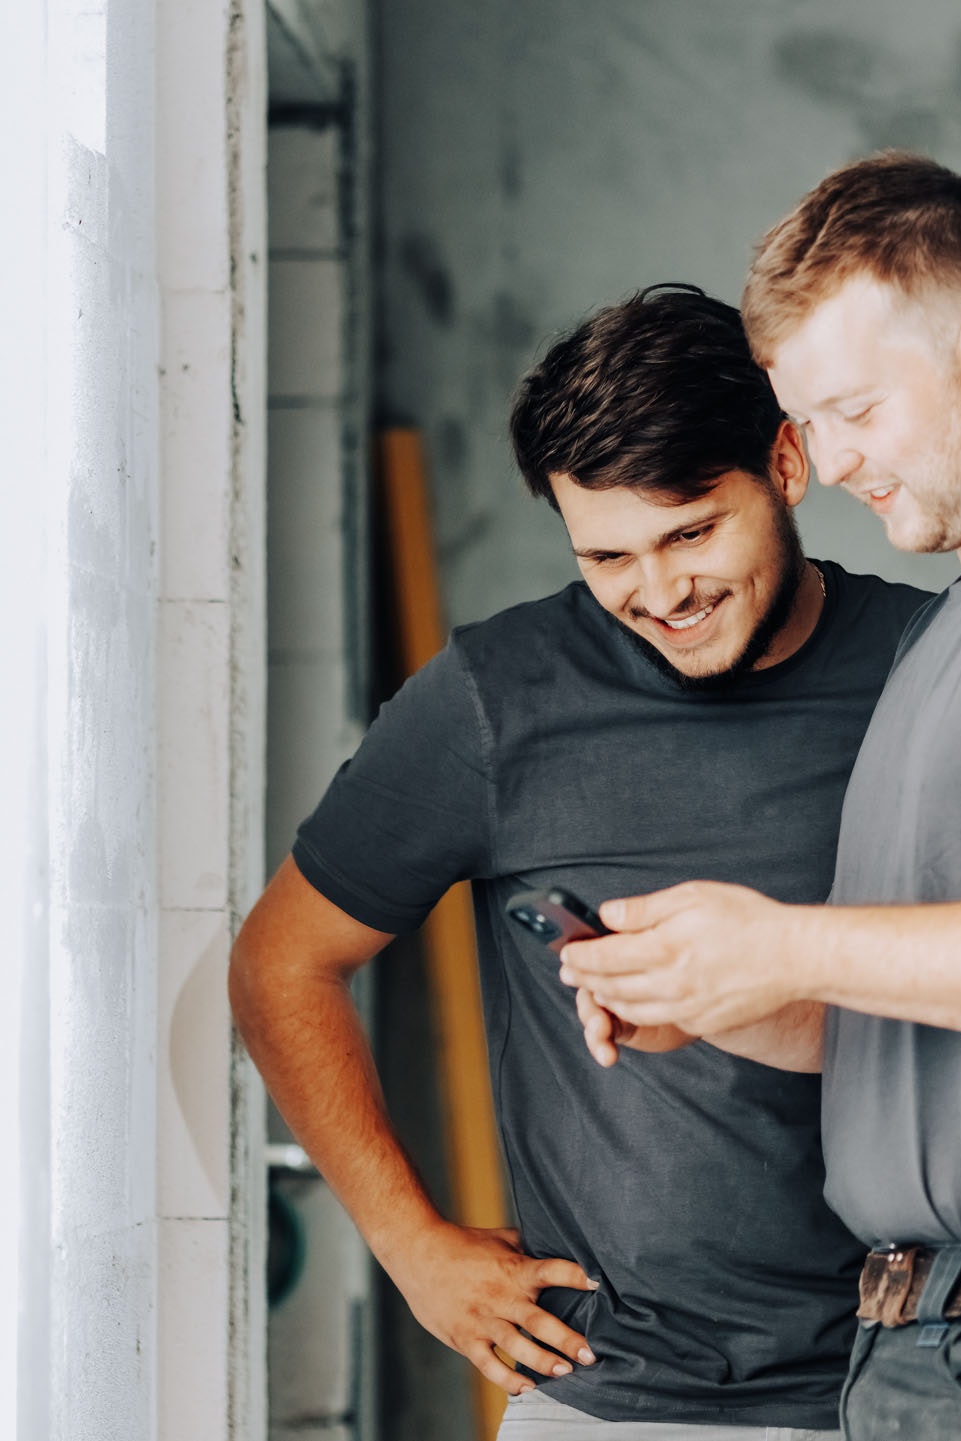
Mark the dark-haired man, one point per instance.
(854, 305)
(693, 705)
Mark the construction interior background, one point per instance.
(250, 248)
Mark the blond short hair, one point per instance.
(895, 217)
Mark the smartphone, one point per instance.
(555, 917)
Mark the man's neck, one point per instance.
(800, 626)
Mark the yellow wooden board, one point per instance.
(471, 1134)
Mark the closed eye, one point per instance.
(602, 557)
(860, 416)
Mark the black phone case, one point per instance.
(555, 917)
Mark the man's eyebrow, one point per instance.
(599, 552)
(854, 393)
(595, 552)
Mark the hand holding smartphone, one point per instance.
(556, 916)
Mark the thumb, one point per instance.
(640, 913)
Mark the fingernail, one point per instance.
(529, 1387)
(563, 1368)
(586, 1356)
(565, 976)
(612, 913)
(594, 1285)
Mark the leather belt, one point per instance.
(892, 1282)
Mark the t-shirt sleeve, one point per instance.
(409, 814)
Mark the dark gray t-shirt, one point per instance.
(892, 1093)
(542, 747)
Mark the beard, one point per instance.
(791, 565)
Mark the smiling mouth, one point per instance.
(875, 494)
(690, 620)
(879, 498)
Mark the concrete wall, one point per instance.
(131, 556)
(542, 157)
(539, 158)
(322, 1349)
(211, 270)
(102, 485)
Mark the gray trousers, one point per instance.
(537, 1417)
(897, 1389)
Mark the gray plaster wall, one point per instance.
(539, 158)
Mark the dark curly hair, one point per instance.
(659, 393)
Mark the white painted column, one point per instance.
(87, 1027)
(211, 213)
(24, 897)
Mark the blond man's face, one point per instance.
(873, 380)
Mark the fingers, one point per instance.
(625, 967)
(638, 913)
(489, 1309)
(557, 1272)
(533, 1337)
(490, 1365)
(520, 1343)
(599, 1028)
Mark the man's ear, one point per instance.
(790, 468)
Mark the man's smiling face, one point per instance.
(873, 379)
(711, 584)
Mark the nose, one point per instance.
(834, 460)
(662, 586)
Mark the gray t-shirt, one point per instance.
(892, 1090)
(543, 747)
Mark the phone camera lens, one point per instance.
(540, 924)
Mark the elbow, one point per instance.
(242, 982)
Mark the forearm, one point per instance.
(309, 1045)
(475, 1290)
(710, 958)
(898, 961)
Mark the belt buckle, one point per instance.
(885, 1284)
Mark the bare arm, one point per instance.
(711, 957)
(289, 988)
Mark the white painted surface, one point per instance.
(136, 354)
(195, 350)
(211, 266)
(194, 753)
(194, 1394)
(24, 891)
(193, 233)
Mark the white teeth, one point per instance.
(690, 620)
